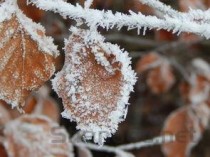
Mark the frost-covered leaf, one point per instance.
(26, 55)
(147, 62)
(197, 90)
(40, 103)
(33, 136)
(160, 77)
(187, 124)
(94, 83)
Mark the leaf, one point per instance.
(94, 83)
(26, 55)
(40, 103)
(160, 79)
(36, 136)
(197, 90)
(30, 11)
(187, 124)
(156, 65)
(148, 62)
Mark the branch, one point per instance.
(193, 15)
(106, 19)
(161, 7)
(152, 142)
(76, 140)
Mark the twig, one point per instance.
(106, 19)
(76, 140)
(161, 7)
(152, 142)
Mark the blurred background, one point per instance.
(173, 73)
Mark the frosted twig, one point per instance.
(160, 7)
(106, 19)
(196, 15)
(152, 142)
(76, 140)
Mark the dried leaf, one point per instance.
(160, 79)
(41, 104)
(26, 55)
(147, 62)
(94, 84)
(30, 11)
(187, 124)
(33, 135)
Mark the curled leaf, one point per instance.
(187, 124)
(160, 79)
(94, 83)
(36, 136)
(26, 55)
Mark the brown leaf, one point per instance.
(30, 10)
(160, 79)
(33, 135)
(187, 124)
(26, 58)
(38, 104)
(147, 62)
(92, 83)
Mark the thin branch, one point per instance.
(76, 140)
(161, 7)
(106, 19)
(88, 3)
(155, 141)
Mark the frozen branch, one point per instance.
(193, 15)
(152, 142)
(76, 140)
(106, 19)
(160, 7)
